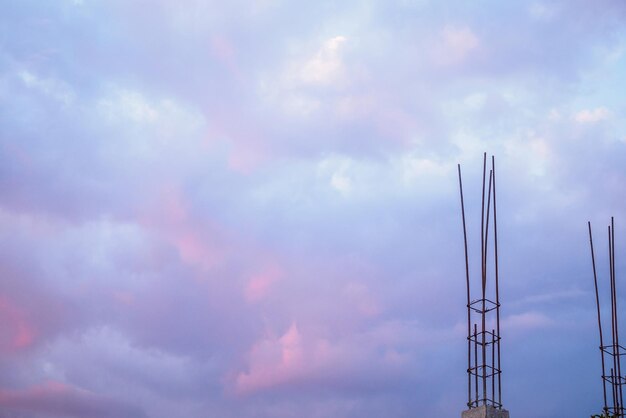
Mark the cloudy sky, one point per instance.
(250, 209)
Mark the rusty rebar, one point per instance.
(484, 366)
(482, 229)
(618, 347)
(614, 391)
(493, 371)
(467, 281)
(483, 240)
(595, 282)
(495, 248)
(614, 348)
(476, 362)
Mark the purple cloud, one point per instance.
(250, 209)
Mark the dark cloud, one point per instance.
(53, 399)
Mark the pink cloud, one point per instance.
(225, 51)
(297, 358)
(194, 248)
(124, 297)
(17, 153)
(396, 124)
(273, 362)
(456, 44)
(18, 333)
(590, 116)
(246, 144)
(199, 243)
(246, 157)
(366, 303)
(259, 284)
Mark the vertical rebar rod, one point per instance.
(614, 393)
(487, 213)
(483, 240)
(493, 370)
(495, 249)
(467, 282)
(476, 362)
(482, 231)
(617, 346)
(613, 348)
(595, 282)
(486, 252)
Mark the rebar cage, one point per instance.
(484, 383)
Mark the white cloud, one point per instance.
(469, 143)
(355, 107)
(542, 11)
(414, 167)
(526, 321)
(51, 87)
(337, 168)
(326, 66)
(294, 88)
(554, 115)
(150, 127)
(457, 42)
(592, 115)
(572, 293)
(341, 182)
(127, 104)
(475, 101)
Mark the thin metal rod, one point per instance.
(487, 221)
(614, 393)
(486, 243)
(595, 282)
(467, 281)
(482, 231)
(495, 248)
(476, 362)
(613, 316)
(616, 356)
(486, 364)
(612, 283)
(617, 346)
(493, 370)
(485, 279)
(483, 243)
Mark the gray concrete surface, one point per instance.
(485, 411)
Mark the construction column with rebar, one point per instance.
(484, 384)
(613, 351)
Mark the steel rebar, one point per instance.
(595, 282)
(483, 365)
(495, 248)
(467, 280)
(617, 346)
(476, 362)
(483, 240)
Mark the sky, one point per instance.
(250, 209)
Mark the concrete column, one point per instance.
(485, 411)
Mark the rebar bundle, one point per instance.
(614, 351)
(484, 385)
